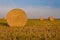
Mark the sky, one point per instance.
(33, 8)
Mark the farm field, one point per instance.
(33, 30)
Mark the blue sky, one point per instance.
(33, 8)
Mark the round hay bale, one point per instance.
(51, 18)
(16, 17)
(41, 18)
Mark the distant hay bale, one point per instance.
(51, 18)
(16, 18)
(5, 18)
(41, 18)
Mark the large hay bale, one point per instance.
(51, 18)
(16, 17)
(41, 18)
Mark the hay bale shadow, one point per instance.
(4, 24)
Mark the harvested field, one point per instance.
(33, 30)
